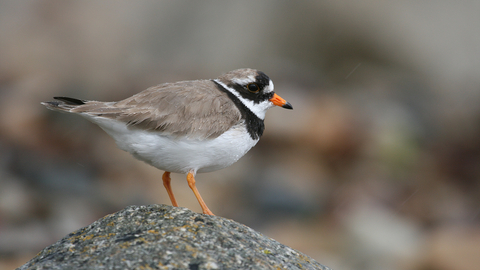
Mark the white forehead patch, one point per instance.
(269, 87)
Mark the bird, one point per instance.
(186, 127)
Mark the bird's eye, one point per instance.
(253, 87)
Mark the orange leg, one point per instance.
(166, 183)
(191, 184)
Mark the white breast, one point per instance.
(180, 155)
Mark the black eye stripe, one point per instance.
(256, 97)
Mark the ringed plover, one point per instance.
(186, 127)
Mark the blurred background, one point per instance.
(377, 166)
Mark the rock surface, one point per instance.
(165, 237)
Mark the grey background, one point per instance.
(377, 166)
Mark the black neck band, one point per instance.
(255, 125)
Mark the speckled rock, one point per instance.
(165, 237)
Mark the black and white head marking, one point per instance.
(256, 101)
(251, 94)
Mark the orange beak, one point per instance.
(278, 101)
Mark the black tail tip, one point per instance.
(70, 101)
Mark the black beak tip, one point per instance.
(287, 106)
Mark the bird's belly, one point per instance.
(181, 155)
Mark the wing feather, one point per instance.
(194, 109)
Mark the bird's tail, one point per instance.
(64, 104)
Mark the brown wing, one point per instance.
(196, 109)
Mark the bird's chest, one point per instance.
(182, 155)
(226, 149)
